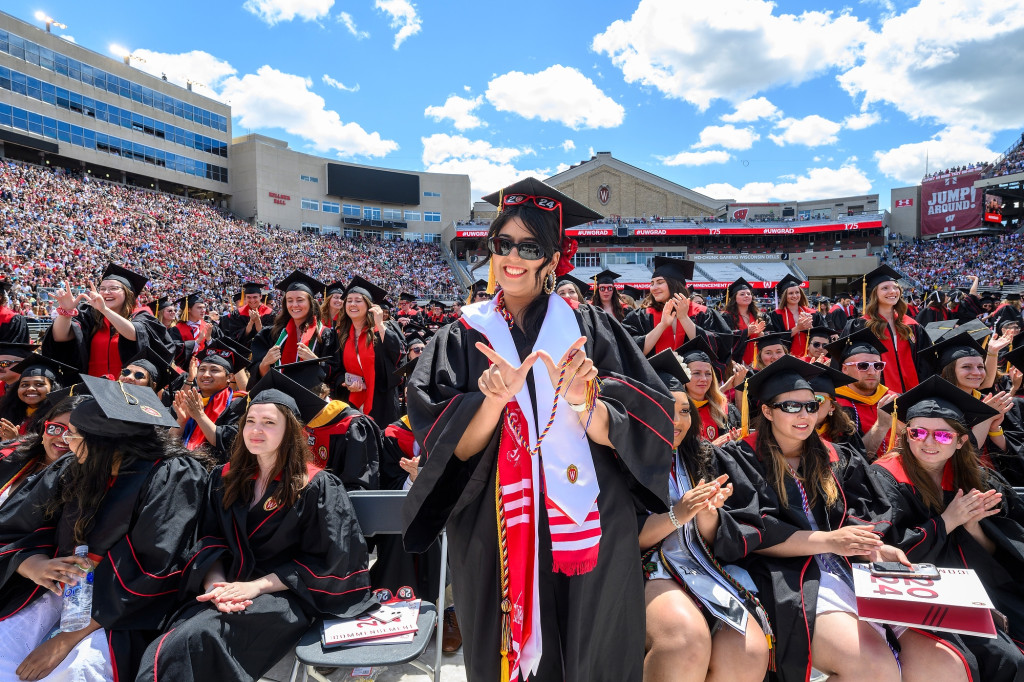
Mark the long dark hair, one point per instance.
(838, 424)
(616, 302)
(31, 446)
(544, 229)
(86, 483)
(281, 321)
(292, 456)
(695, 451)
(733, 309)
(15, 410)
(817, 472)
(967, 468)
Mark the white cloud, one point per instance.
(731, 49)
(861, 121)
(195, 66)
(568, 146)
(276, 11)
(404, 17)
(70, 39)
(272, 99)
(346, 19)
(752, 110)
(488, 167)
(947, 61)
(953, 146)
(335, 83)
(696, 158)
(459, 110)
(728, 136)
(558, 93)
(815, 184)
(811, 131)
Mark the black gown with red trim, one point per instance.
(15, 464)
(836, 318)
(593, 625)
(234, 324)
(710, 324)
(904, 367)
(13, 327)
(185, 342)
(788, 586)
(314, 546)
(921, 533)
(780, 320)
(346, 442)
(387, 355)
(142, 530)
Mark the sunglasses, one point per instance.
(606, 287)
(941, 436)
(545, 203)
(55, 429)
(482, 294)
(794, 406)
(865, 366)
(141, 376)
(818, 344)
(502, 246)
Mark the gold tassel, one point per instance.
(745, 412)
(892, 429)
(241, 299)
(864, 295)
(490, 262)
(184, 311)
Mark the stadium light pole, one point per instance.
(124, 54)
(49, 21)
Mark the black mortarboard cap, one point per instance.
(678, 269)
(54, 397)
(786, 282)
(411, 298)
(1015, 357)
(366, 288)
(335, 288)
(406, 369)
(778, 338)
(220, 353)
(5, 285)
(633, 292)
(881, 274)
(670, 370)
(160, 304)
(480, 285)
(307, 373)
(300, 281)
(189, 300)
(739, 285)
(978, 330)
(825, 332)
(939, 328)
(580, 284)
(861, 341)
(785, 374)
(235, 345)
(277, 389)
(252, 288)
(157, 366)
(829, 380)
(988, 297)
(120, 410)
(133, 280)
(40, 365)
(936, 297)
(1012, 296)
(573, 212)
(17, 350)
(936, 397)
(952, 348)
(606, 277)
(697, 350)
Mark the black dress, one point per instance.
(314, 546)
(921, 533)
(141, 530)
(149, 333)
(592, 625)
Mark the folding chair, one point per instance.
(379, 513)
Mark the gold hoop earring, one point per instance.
(549, 283)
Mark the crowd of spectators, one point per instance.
(1011, 162)
(946, 263)
(57, 227)
(980, 165)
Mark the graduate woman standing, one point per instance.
(539, 486)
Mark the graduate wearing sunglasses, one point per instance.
(950, 510)
(804, 509)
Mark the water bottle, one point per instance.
(77, 608)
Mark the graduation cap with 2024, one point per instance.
(533, 192)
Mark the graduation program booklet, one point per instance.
(394, 621)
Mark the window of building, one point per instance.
(330, 229)
(371, 213)
(351, 210)
(311, 227)
(391, 214)
(309, 178)
(432, 216)
(432, 238)
(350, 233)
(413, 236)
(410, 216)
(375, 234)
(310, 204)
(431, 194)
(331, 207)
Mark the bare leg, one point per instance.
(678, 639)
(850, 650)
(927, 660)
(739, 658)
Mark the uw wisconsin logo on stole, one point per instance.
(270, 505)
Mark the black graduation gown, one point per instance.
(347, 443)
(233, 326)
(387, 355)
(14, 330)
(141, 530)
(1010, 461)
(314, 546)
(836, 318)
(710, 324)
(325, 346)
(227, 429)
(592, 624)
(777, 324)
(185, 344)
(932, 314)
(395, 567)
(15, 464)
(921, 533)
(149, 333)
(788, 587)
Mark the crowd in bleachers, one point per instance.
(1011, 162)
(58, 227)
(945, 263)
(980, 165)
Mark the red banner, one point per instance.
(707, 285)
(951, 204)
(794, 228)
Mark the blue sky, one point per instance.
(740, 99)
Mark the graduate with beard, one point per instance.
(252, 316)
(546, 576)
